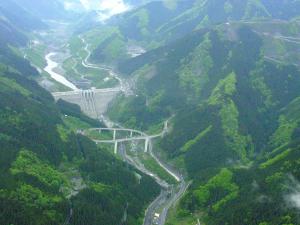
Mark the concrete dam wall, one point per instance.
(93, 103)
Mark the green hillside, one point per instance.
(223, 75)
(161, 22)
(235, 125)
(49, 173)
(19, 17)
(41, 156)
(44, 9)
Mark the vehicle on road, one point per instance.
(156, 218)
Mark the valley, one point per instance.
(149, 112)
(94, 103)
(51, 65)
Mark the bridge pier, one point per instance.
(134, 136)
(150, 146)
(116, 148)
(115, 132)
(146, 145)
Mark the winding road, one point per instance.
(163, 201)
(124, 86)
(170, 194)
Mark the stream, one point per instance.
(51, 65)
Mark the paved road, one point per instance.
(120, 129)
(161, 200)
(123, 85)
(177, 191)
(173, 201)
(174, 174)
(152, 209)
(170, 194)
(174, 194)
(69, 217)
(135, 163)
(289, 39)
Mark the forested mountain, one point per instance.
(224, 74)
(27, 14)
(50, 174)
(236, 124)
(44, 9)
(14, 13)
(41, 156)
(161, 22)
(15, 23)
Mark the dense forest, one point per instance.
(224, 73)
(236, 123)
(159, 23)
(40, 157)
(48, 171)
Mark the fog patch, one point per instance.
(263, 199)
(293, 198)
(104, 8)
(85, 4)
(76, 6)
(109, 8)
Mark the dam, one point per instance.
(93, 102)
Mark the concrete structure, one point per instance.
(93, 102)
(135, 135)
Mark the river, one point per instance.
(162, 203)
(170, 194)
(51, 65)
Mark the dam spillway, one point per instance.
(93, 102)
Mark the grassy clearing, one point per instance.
(76, 71)
(74, 123)
(96, 135)
(178, 217)
(155, 129)
(76, 46)
(36, 55)
(55, 86)
(73, 66)
(151, 165)
(276, 159)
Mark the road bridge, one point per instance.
(114, 130)
(162, 202)
(135, 135)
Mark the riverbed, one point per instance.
(51, 65)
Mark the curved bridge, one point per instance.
(134, 135)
